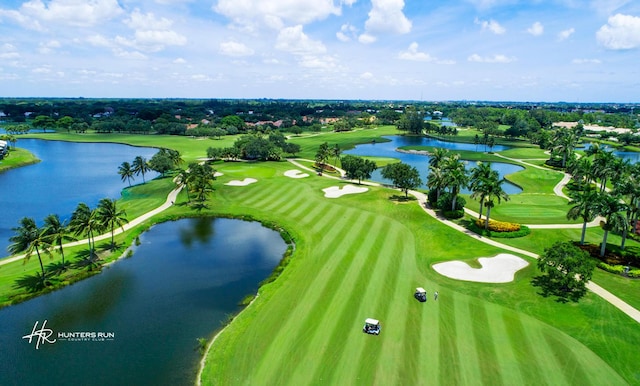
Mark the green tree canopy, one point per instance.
(403, 176)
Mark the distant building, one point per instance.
(4, 148)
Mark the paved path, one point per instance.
(171, 198)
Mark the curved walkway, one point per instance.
(171, 198)
(422, 201)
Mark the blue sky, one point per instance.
(499, 50)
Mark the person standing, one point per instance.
(435, 295)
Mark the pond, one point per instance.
(181, 284)
(69, 173)
(632, 156)
(421, 162)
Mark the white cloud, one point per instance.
(347, 32)
(366, 76)
(607, 7)
(366, 38)
(235, 49)
(180, 61)
(9, 55)
(48, 47)
(22, 20)
(565, 34)
(498, 58)
(386, 16)
(151, 34)
(99, 41)
(135, 55)
(324, 62)
(413, 54)
(620, 33)
(492, 26)
(274, 13)
(79, 13)
(294, 40)
(536, 29)
(586, 61)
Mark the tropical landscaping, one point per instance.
(361, 256)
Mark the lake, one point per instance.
(182, 282)
(69, 173)
(421, 162)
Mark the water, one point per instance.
(69, 173)
(180, 285)
(632, 156)
(421, 162)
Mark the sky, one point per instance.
(429, 50)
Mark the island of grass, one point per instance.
(361, 256)
(16, 158)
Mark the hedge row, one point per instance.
(618, 269)
(498, 226)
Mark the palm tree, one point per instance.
(84, 220)
(140, 166)
(183, 180)
(584, 205)
(126, 172)
(57, 232)
(437, 158)
(202, 177)
(628, 186)
(610, 207)
(493, 190)
(480, 176)
(29, 238)
(581, 171)
(604, 167)
(176, 157)
(335, 152)
(456, 176)
(436, 180)
(110, 216)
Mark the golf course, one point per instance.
(362, 255)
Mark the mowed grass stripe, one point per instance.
(508, 363)
(466, 345)
(344, 315)
(449, 360)
(571, 367)
(277, 195)
(522, 342)
(486, 353)
(301, 321)
(429, 351)
(290, 202)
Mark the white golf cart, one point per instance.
(420, 294)
(371, 326)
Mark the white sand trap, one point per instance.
(218, 174)
(295, 174)
(335, 191)
(245, 182)
(498, 269)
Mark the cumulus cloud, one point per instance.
(274, 13)
(622, 32)
(235, 49)
(294, 40)
(412, 53)
(536, 29)
(79, 13)
(498, 58)
(347, 32)
(492, 26)
(386, 16)
(180, 61)
(565, 34)
(151, 34)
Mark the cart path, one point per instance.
(171, 198)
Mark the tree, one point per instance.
(610, 207)
(28, 238)
(161, 162)
(436, 180)
(109, 216)
(291, 148)
(57, 232)
(493, 190)
(456, 176)
(65, 122)
(84, 221)
(584, 206)
(201, 180)
(233, 121)
(183, 179)
(481, 176)
(126, 172)
(357, 167)
(566, 271)
(404, 176)
(335, 152)
(43, 122)
(322, 155)
(140, 166)
(564, 143)
(411, 121)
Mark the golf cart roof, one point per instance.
(372, 321)
(421, 290)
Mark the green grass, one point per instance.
(361, 256)
(17, 157)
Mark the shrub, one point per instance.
(444, 202)
(498, 226)
(523, 231)
(453, 214)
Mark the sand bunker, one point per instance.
(295, 174)
(218, 174)
(498, 269)
(244, 182)
(335, 191)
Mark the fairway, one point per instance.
(361, 256)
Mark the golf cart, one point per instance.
(420, 294)
(371, 326)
